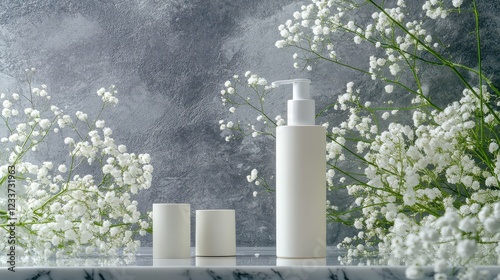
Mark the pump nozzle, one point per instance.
(301, 108)
(300, 87)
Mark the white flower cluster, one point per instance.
(252, 178)
(317, 19)
(430, 167)
(437, 9)
(240, 94)
(108, 97)
(59, 211)
(316, 28)
(258, 180)
(232, 97)
(425, 190)
(360, 124)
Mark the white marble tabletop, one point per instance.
(249, 263)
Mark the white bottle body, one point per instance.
(301, 191)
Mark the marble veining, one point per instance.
(249, 263)
(188, 273)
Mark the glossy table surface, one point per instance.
(249, 263)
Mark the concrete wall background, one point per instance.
(168, 60)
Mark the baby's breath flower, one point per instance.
(414, 272)
(426, 182)
(101, 91)
(7, 104)
(59, 196)
(6, 112)
(44, 124)
(62, 168)
(357, 40)
(457, 3)
(493, 147)
(107, 131)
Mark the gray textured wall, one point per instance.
(168, 60)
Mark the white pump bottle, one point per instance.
(300, 179)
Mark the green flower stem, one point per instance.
(388, 190)
(479, 65)
(413, 68)
(325, 110)
(29, 80)
(393, 46)
(332, 60)
(52, 198)
(445, 62)
(361, 158)
(60, 193)
(482, 154)
(358, 208)
(31, 145)
(412, 65)
(486, 79)
(5, 120)
(265, 184)
(261, 111)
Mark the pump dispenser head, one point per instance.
(301, 107)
